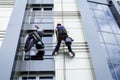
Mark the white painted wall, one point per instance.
(67, 68)
(5, 13)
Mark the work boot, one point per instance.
(54, 53)
(72, 54)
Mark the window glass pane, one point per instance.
(118, 38)
(28, 78)
(106, 8)
(109, 38)
(114, 26)
(100, 14)
(47, 9)
(109, 15)
(104, 26)
(114, 52)
(46, 78)
(48, 45)
(106, 55)
(96, 6)
(117, 70)
(100, 36)
(112, 71)
(96, 23)
(36, 9)
(108, 12)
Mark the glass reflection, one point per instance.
(107, 23)
(96, 6)
(118, 38)
(104, 47)
(106, 8)
(96, 24)
(100, 37)
(114, 26)
(104, 13)
(104, 26)
(112, 71)
(105, 19)
(117, 70)
(114, 52)
(107, 12)
(109, 38)
(100, 14)
(109, 15)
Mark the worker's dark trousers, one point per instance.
(58, 46)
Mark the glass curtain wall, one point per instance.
(109, 35)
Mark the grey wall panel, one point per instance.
(99, 1)
(39, 1)
(9, 46)
(46, 26)
(97, 53)
(47, 1)
(38, 65)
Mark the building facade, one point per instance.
(94, 26)
(5, 12)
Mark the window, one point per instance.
(37, 77)
(28, 78)
(36, 9)
(107, 20)
(47, 9)
(46, 78)
(38, 13)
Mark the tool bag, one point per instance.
(68, 41)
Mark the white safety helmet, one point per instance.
(38, 28)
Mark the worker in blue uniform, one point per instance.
(61, 34)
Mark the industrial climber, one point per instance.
(61, 34)
(35, 38)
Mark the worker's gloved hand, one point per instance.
(25, 49)
(41, 43)
(43, 46)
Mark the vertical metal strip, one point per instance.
(64, 66)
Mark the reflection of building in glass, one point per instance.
(108, 31)
(94, 26)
